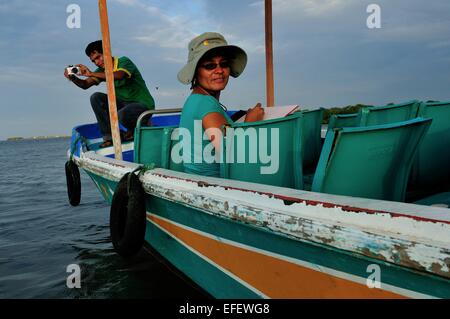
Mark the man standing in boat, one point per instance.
(133, 96)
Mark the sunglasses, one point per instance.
(212, 66)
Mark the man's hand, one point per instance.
(66, 74)
(255, 114)
(83, 84)
(84, 70)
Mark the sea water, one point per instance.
(41, 235)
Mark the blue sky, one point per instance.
(324, 54)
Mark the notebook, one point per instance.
(275, 112)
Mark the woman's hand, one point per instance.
(255, 114)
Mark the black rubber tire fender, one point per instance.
(128, 216)
(73, 183)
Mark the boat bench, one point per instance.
(370, 162)
(247, 147)
(153, 145)
(376, 115)
(431, 168)
(430, 173)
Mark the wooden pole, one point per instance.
(269, 54)
(107, 58)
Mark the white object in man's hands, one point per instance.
(76, 70)
(275, 112)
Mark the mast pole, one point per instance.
(269, 54)
(107, 57)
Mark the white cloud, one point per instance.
(250, 45)
(127, 2)
(170, 36)
(163, 30)
(167, 93)
(175, 60)
(435, 34)
(20, 75)
(4, 7)
(23, 7)
(306, 7)
(440, 45)
(321, 7)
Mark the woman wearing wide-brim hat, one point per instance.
(210, 63)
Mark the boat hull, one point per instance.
(230, 258)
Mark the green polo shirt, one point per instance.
(131, 88)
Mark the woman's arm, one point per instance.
(212, 124)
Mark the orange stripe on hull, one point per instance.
(274, 277)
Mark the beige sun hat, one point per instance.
(204, 43)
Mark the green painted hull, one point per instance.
(222, 283)
(222, 286)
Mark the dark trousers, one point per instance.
(128, 113)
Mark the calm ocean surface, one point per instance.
(41, 234)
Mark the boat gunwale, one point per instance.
(394, 209)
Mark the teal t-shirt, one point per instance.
(131, 88)
(196, 107)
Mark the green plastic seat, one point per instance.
(168, 144)
(312, 143)
(153, 145)
(377, 115)
(286, 134)
(343, 120)
(431, 169)
(370, 162)
(149, 143)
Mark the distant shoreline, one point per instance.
(19, 138)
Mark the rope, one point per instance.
(141, 169)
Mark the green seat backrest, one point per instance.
(283, 139)
(378, 115)
(168, 145)
(153, 145)
(343, 120)
(431, 169)
(148, 143)
(312, 144)
(371, 162)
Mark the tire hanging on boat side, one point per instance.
(127, 216)
(73, 183)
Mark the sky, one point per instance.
(325, 55)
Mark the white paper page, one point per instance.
(274, 112)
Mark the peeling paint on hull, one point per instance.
(416, 238)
